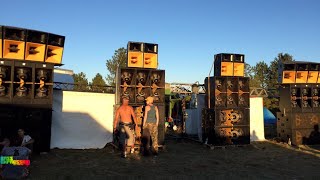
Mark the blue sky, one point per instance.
(188, 32)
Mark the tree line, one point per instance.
(98, 83)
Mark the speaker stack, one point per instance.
(142, 78)
(226, 120)
(299, 101)
(27, 60)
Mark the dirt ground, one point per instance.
(181, 159)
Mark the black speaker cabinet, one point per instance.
(135, 55)
(54, 49)
(142, 82)
(301, 120)
(26, 83)
(232, 117)
(5, 81)
(13, 43)
(207, 118)
(298, 136)
(228, 92)
(306, 98)
(217, 86)
(287, 73)
(207, 123)
(227, 135)
(313, 74)
(226, 127)
(126, 84)
(237, 135)
(232, 92)
(290, 98)
(299, 73)
(157, 84)
(244, 92)
(23, 83)
(229, 65)
(139, 83)
(316, 98)
(36, 45)
(299, 98)
(150, 56)
(43, 84)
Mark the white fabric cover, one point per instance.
(81, 120)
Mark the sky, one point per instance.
(189, 32)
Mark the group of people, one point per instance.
(21, 140)
(125, 122)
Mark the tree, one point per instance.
(118, 60)
(247, 70)
(98, 84)
(260, 71)
(81, 82)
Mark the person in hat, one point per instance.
(126, 127)
(150, 124)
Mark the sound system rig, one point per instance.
(226, 119)
(27, 60)
(299, 102)
(142, 78)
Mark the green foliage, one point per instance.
(260, 76)
(81, 82)
(118, 60)
(98, 83)
(248, 71)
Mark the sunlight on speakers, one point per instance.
(135, 59)
(289, 77)
(301, 76)
(312, 77)
(54, 54)
(226, 68)
(13, 49)
(238, 69)
(150, 60)
(35, 52)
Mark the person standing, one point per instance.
(150, 124)
(126, 127)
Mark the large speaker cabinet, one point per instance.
(139, 83)
(142, 55)
(226, 126)
(228, 92)
(30, 45)
(229, 64)
(26, 83)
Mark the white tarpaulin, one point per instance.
(81, 120)
(256, 119)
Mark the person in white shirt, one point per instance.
(27, 141)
